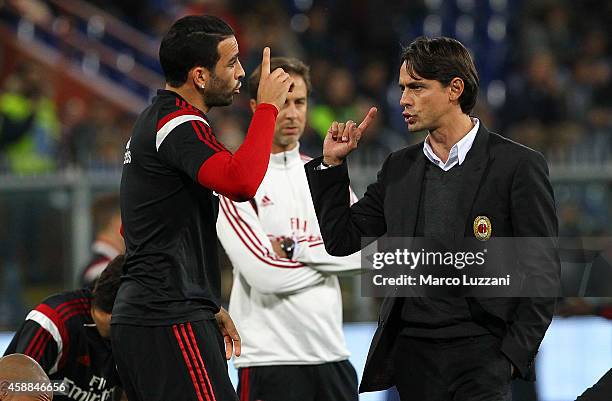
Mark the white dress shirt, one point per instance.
(457, 153)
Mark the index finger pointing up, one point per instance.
(265, 62)
(368, 119)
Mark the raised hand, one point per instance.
(342, 138)
(273, 86)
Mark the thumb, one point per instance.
(265, 63)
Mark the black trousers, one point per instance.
(334, 381)
(460, 369)
(182, 362)
(601, 391)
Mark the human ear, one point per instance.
(200, 76)
(456, 87)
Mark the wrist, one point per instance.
(288, 246)
(331, 161)
(268, 105)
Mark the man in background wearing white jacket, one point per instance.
(286, 299)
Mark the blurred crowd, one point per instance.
(551, 90)
(38, 135)
(558, 93)
(545, 66)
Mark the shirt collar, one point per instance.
(179, 101)
(458, 152)
(284, 159)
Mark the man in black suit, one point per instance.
(444, 349)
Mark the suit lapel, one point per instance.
(475, 164)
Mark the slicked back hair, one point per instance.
(443, 59)
(192, 41)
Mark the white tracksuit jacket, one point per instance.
(288, 312)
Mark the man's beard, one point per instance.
(217, 94)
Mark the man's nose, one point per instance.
(406, 99)
(291, 111)
(239, 71)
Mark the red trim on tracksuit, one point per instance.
(190, 368)
(174, 114)
(37, 352)
(195, 362)
(209, 135)
(245, 389)
(212, 145)
(248, 237)
(73, 307)
(28, 350)
(61, 327)
(199, 355)
(83, 301)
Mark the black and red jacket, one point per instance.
(62, 337)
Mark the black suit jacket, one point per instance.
(502, 180)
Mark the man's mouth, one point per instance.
(290, 130)
(409, 118)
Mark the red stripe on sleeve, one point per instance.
(61, 327)
(40, 349)
(251, 242)
(239, 175)
(206, 141)
(78, 302)
(178, 113)
(208, 132)
(28, 350)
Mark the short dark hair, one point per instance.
(443, 59)
(107, 285)
(289, 64)
(104, 208)
(191, 41)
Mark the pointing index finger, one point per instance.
(265, 62)
(368, 118)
